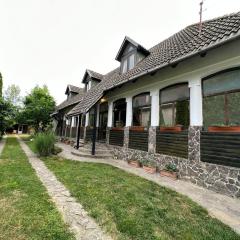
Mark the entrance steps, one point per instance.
(101, 151)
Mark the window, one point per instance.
(128, 62)
(142, 110)
(221, 102)
(74, 121)
(91, 117)
(174, 105)
(103, 115)
(119, 113)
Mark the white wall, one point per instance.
(190, 71)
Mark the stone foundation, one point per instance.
(222, 179)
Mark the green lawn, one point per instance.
(26, 211)
(129, 207)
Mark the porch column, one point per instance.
(196, 120)
(154, 121)
(155, 108)
(196, 115)
(98, 113)
(110, 114)
(71, 126)
(129, 112)
(66, 125)
(87, 119)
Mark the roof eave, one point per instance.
(176, 61)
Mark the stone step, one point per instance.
(83, 149)
(89, 155)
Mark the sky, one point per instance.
(53, 42)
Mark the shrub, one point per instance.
(57, 150)
(44, 143)
(171, 167)
(148, 163)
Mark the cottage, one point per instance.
(178, 101)
(64, 126)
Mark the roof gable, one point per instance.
(71, 88)
(92, 74)
(128, 43)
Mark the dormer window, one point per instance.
(129, 54)
(128, 62)
(91, 79)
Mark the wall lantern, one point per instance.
(103, 100)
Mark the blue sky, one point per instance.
(53, 41)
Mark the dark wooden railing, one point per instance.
(172, 143)
(221, 148)
(116, 137)
(138, 139)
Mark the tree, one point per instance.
(1, 85)
(12, 95)
(38, 105)
(6, 111)
(7, 115)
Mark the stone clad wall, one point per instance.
(222, 179)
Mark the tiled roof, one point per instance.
(72, 100)
(95, 74)
(184, 44)
(72, 88)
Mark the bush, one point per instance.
(44, 143)
(57, 150)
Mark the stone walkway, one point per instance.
(224, 208)
(73, 213)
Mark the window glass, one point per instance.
(234, 108)
(141, 100)
(119, 113)
(166, 114)
(91, 118)
(75, 121)
(142, 110)
(124, 66)
(131, 61)
(181, 113)
(222, 82)
(83, 120)
(174, 93)
(221, 103)
(174, 105)
(213, 110)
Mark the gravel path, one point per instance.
(224, 208)
(73, 213)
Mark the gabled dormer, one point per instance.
(71, 91)
(130, 53)
(91, 79)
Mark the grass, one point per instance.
(25, 208)
(130, 207)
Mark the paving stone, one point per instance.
(83, 226)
